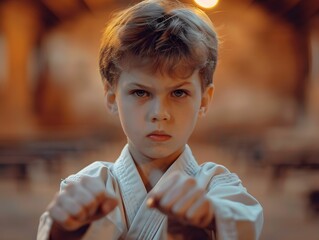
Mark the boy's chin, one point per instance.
(161, 152)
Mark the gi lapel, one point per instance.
(131, 185)
(150, 223)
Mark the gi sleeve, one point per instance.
(238, 215)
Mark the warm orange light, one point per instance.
(207, 3)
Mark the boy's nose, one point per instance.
(162, 116)
(159, 112)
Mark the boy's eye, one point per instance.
(140, 93)
(179, 93)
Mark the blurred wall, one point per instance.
(261, 73)
(49, 78)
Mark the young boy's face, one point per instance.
(157, 113)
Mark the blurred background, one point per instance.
(263, 123)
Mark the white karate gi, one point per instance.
(238, 215)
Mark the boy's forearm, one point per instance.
(57, 233)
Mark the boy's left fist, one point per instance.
(181, 199)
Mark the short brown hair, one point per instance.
(171, 36)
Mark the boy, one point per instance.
(157, 61)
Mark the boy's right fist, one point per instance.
(81, 203)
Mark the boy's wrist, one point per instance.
(58, 232)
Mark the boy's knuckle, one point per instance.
(175, 210)
(69, 186)
(85, 179)
(188, 215)
(100, 196)
(190, 182)
(61, 197)
(87, 200)
(163, 206)
(201, 192)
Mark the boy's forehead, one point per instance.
(179, 71)
(143, 76)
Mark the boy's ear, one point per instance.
(110, 101)
(206, 99)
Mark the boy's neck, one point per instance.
(151, 170)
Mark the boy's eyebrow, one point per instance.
(181, 85)
(138, 85)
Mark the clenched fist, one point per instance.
(79, 204)
(183, 200)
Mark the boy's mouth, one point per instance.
(159, 136)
